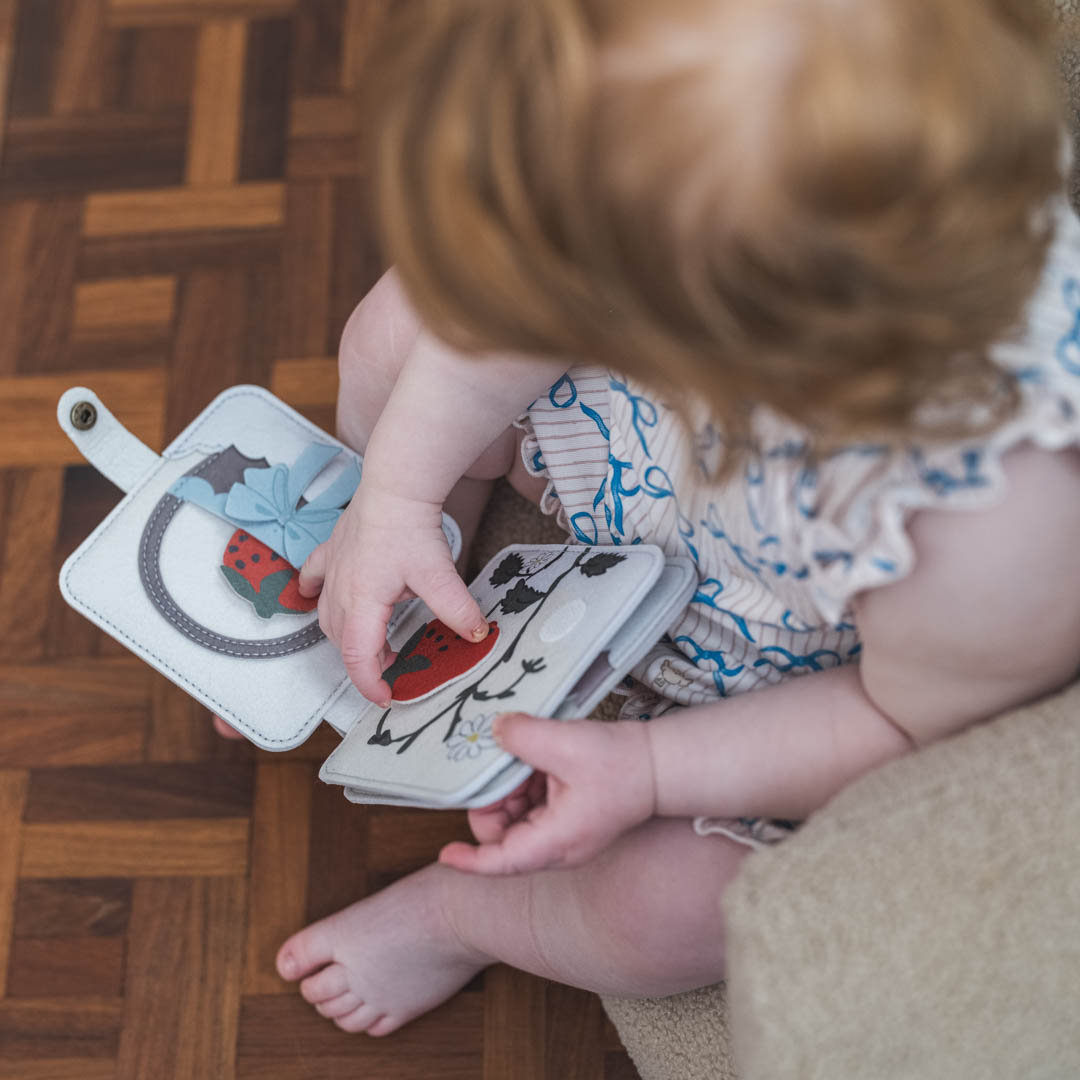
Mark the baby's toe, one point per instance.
(383, 1026)
(360, 1019)
(326, 984)
(307, 951)
(341, 1005)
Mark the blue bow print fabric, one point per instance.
(266, 504)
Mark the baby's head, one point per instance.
(830, 206)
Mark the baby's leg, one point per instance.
(642, 919)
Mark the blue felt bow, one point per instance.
(265, 504)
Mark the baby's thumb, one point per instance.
(538, 742)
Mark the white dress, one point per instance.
(782, 547)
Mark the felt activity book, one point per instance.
(196, 569)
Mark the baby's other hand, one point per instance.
(384, 548)
(598, 784)
(489, 823)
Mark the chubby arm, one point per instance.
(444, 411)
(989, 619)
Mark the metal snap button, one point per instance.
(83, 415)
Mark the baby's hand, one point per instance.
(599, 784)
(384, 548)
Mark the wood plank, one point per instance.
(362, 22)
(514, 1024)
(71, 686)
(574, 1033)
(358, 262)
(317, 30)
(210, 348)
(77, 82)
(618, 1066)
(168, 12)
(207, 848)
(49, 271)
(282, 1036)
(16, 227)
(61, 967)
(337, 864)
(36, 738)
(240, 206)
(163, 66)
(324, 116)
(37, 31)
(277, 896)
(309, 381)
(98, 907)
(54, 155)
(306, 265)
(325, 157)
(143, 792)
(58, 1069)
(28, 435)
(12, 794)
(26, 580)
(216, 105)
(404, 839)
(177, 253)
(144, 301)
(7, 48)
(266, 100)
(180, 729)
(87, 499)
(59, 1028)
(183, 1026)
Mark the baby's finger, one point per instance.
(226, 730)
(446, 594)
(328, 621)
(313, 572)
(488, 823)
(547, 745)
(527, 846)
(363, 644)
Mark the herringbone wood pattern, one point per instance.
(182, 208)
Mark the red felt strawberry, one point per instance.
(263, 577)
(434, 655)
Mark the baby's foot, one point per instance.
(384, 960)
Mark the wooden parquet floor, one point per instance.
(182, 208)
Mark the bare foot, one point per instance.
(384, 960)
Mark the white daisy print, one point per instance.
(471, 738)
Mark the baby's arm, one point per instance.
(989, 619)
(443, 412)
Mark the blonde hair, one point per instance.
(829, 207)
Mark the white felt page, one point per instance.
(273, 677)
(554, 608)
(641, 630)
(275, 702)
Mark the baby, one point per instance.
(786, 287)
